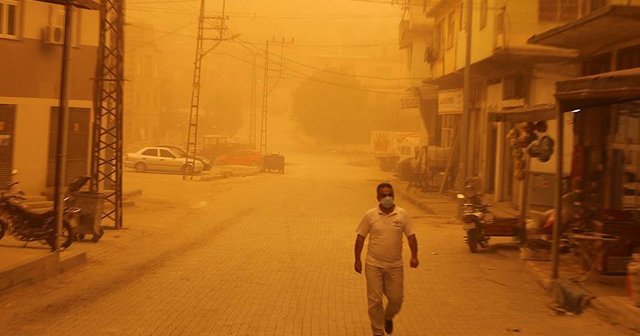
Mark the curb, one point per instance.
(617, 310)
(39, 268)
(225, 175)
(415, 202)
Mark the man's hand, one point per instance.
(414, 262)
(358, 266)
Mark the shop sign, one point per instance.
(450, 102)
(409, 102)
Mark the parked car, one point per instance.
(206, 163)
(163, 159)
(248, 157)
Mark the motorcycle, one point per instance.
(479, 222)
(28, 226)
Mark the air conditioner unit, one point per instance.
(53, 34)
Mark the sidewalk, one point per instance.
(24, 265)
(20, 265)
(606, 295)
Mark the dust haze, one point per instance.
(336, 62)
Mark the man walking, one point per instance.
(385, 224)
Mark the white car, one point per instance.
(161, 159)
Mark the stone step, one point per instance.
(38, 204)
(34, 198)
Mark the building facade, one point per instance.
(31, 37)
(511, 82)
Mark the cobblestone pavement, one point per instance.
(272, 255)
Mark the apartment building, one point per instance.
(31, 37)
(143, 98)
(511, 80)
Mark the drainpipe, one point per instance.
(63, 120)
(466, 102)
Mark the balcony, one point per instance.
(595, 30)
(409, 29)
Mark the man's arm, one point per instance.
(357, 266)
(413, 246)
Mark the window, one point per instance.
(596, 65)
(166, 154)
(9, 18)
(558, 10)
(461, 17)
(484, 8)
(436, 50)
(629, 58)
(150, 152)
(451, 28)
(589, 6)
(513, 87)
(500, 23)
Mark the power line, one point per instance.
(304, 76)
(239, 41)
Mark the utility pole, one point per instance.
(220, 27)
(106, 154)
(63, 121)
(265, 102)
(63, 111)
(253, 104)
(267, 90)
(463, 171)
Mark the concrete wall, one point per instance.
(31, 146)
(30, 71)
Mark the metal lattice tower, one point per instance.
(267, 90)
(218, 25)
(265, 103)
(192, 135)
(106, 154)
(253, 105)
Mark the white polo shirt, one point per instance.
(385, 235)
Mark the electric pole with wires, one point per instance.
(216, 23)
(267, 90)
(253, 104)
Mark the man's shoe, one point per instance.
(388, 326)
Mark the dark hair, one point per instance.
(384, 185)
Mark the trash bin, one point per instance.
(91, 204)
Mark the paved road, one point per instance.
(272, 255)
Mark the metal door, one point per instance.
(77, 148)
(7, 123)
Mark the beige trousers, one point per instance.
(387, 281)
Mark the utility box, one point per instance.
(91, 204)
(542, 189)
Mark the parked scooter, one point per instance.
(28, 226)
(480, 224)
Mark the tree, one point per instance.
(334, 113)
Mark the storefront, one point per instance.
(606, 158)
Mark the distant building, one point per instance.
(143, 99)
(31, 37)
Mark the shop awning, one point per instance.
(607, 88)
(85, 4)
(591, 32)
(504, 59)
(524, 114)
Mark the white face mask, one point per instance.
(387, 202)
